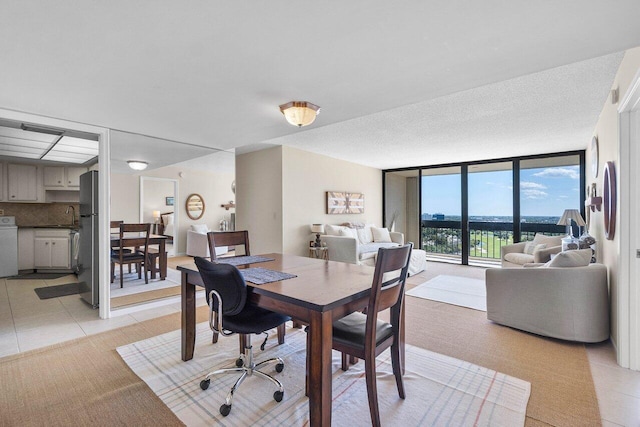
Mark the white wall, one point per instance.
(608, 251)
(154, 198)
(281, 192)
(259, 198)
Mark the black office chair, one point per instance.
(364, 336)
(230, 313)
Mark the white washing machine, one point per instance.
(8, 246)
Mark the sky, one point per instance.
(543, 191)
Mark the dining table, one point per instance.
(154, 239)
(322, 292)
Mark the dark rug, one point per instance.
(43, 276)
(58, 290)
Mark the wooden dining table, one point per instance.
(322, 292)
(154, 239)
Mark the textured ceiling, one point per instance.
(212, 74)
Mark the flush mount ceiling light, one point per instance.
(137, 165)
(300, 113)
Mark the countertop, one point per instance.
(53, 226)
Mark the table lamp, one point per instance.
(156, 216)
(570, 242)
(318, 229)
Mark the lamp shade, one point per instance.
(300, 113)
(156, 214)
(317, 228)
(137, 165)
(571, 214)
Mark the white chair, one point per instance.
(197, 243)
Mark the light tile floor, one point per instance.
(26, 323)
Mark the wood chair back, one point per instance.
(228, 238)
(137, 236)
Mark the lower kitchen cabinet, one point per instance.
(51, 251)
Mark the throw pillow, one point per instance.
(348, 232)
(332, 230)
(167, 219)
(550, 241)
(578, 258)
(364, 235)
(381, 235)
(531, 247)
(200, 228)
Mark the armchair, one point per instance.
(515, 255)
(198, 244)
(569, 303)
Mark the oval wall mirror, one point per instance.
(195, 206)
(609, 200)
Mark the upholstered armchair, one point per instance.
(197, 243)
(537, 251)
(569, 303)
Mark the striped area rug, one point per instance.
(440, 390)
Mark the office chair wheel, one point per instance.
(225, 409)
(279, 367)
(239, 362)
(278, 395)
(204, 384)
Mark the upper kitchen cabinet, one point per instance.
(22, 183)
(62, 177)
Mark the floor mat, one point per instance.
(58, 290)
(42, 276)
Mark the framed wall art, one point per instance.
(168, 201)
(342, 202)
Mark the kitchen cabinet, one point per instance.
(22, 182)
(62, 177)
(54, 176)
(51, 249)
(73, 176)
(25, 249)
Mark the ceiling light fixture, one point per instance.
(300, 113)
(137, 165)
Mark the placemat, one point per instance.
(260, 276)
(243, 260)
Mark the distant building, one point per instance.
(437, 217)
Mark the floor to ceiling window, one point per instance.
(466, 212)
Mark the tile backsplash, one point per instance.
(29, 214)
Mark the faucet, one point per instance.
(73, 214)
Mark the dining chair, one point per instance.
(235, 238)
(230, 312)
(228, 238)
(132, 235)
(363, 336)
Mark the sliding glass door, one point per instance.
(466, 212)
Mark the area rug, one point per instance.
(133, 285)
(440, 390)
(57, 291)
(456, 290)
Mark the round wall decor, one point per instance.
(609, 200)
(594, 156)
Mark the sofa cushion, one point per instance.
(579, 258)
(372, 248)
(381, 235)
(518, 258)
(550, 241)
(333, 230)
(531, 247)
(200, 228)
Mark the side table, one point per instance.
(320, 253)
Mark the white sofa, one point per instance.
(360, 245)
(197, 243)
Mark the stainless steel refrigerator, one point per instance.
(88, 257)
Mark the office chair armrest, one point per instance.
(215, 323)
